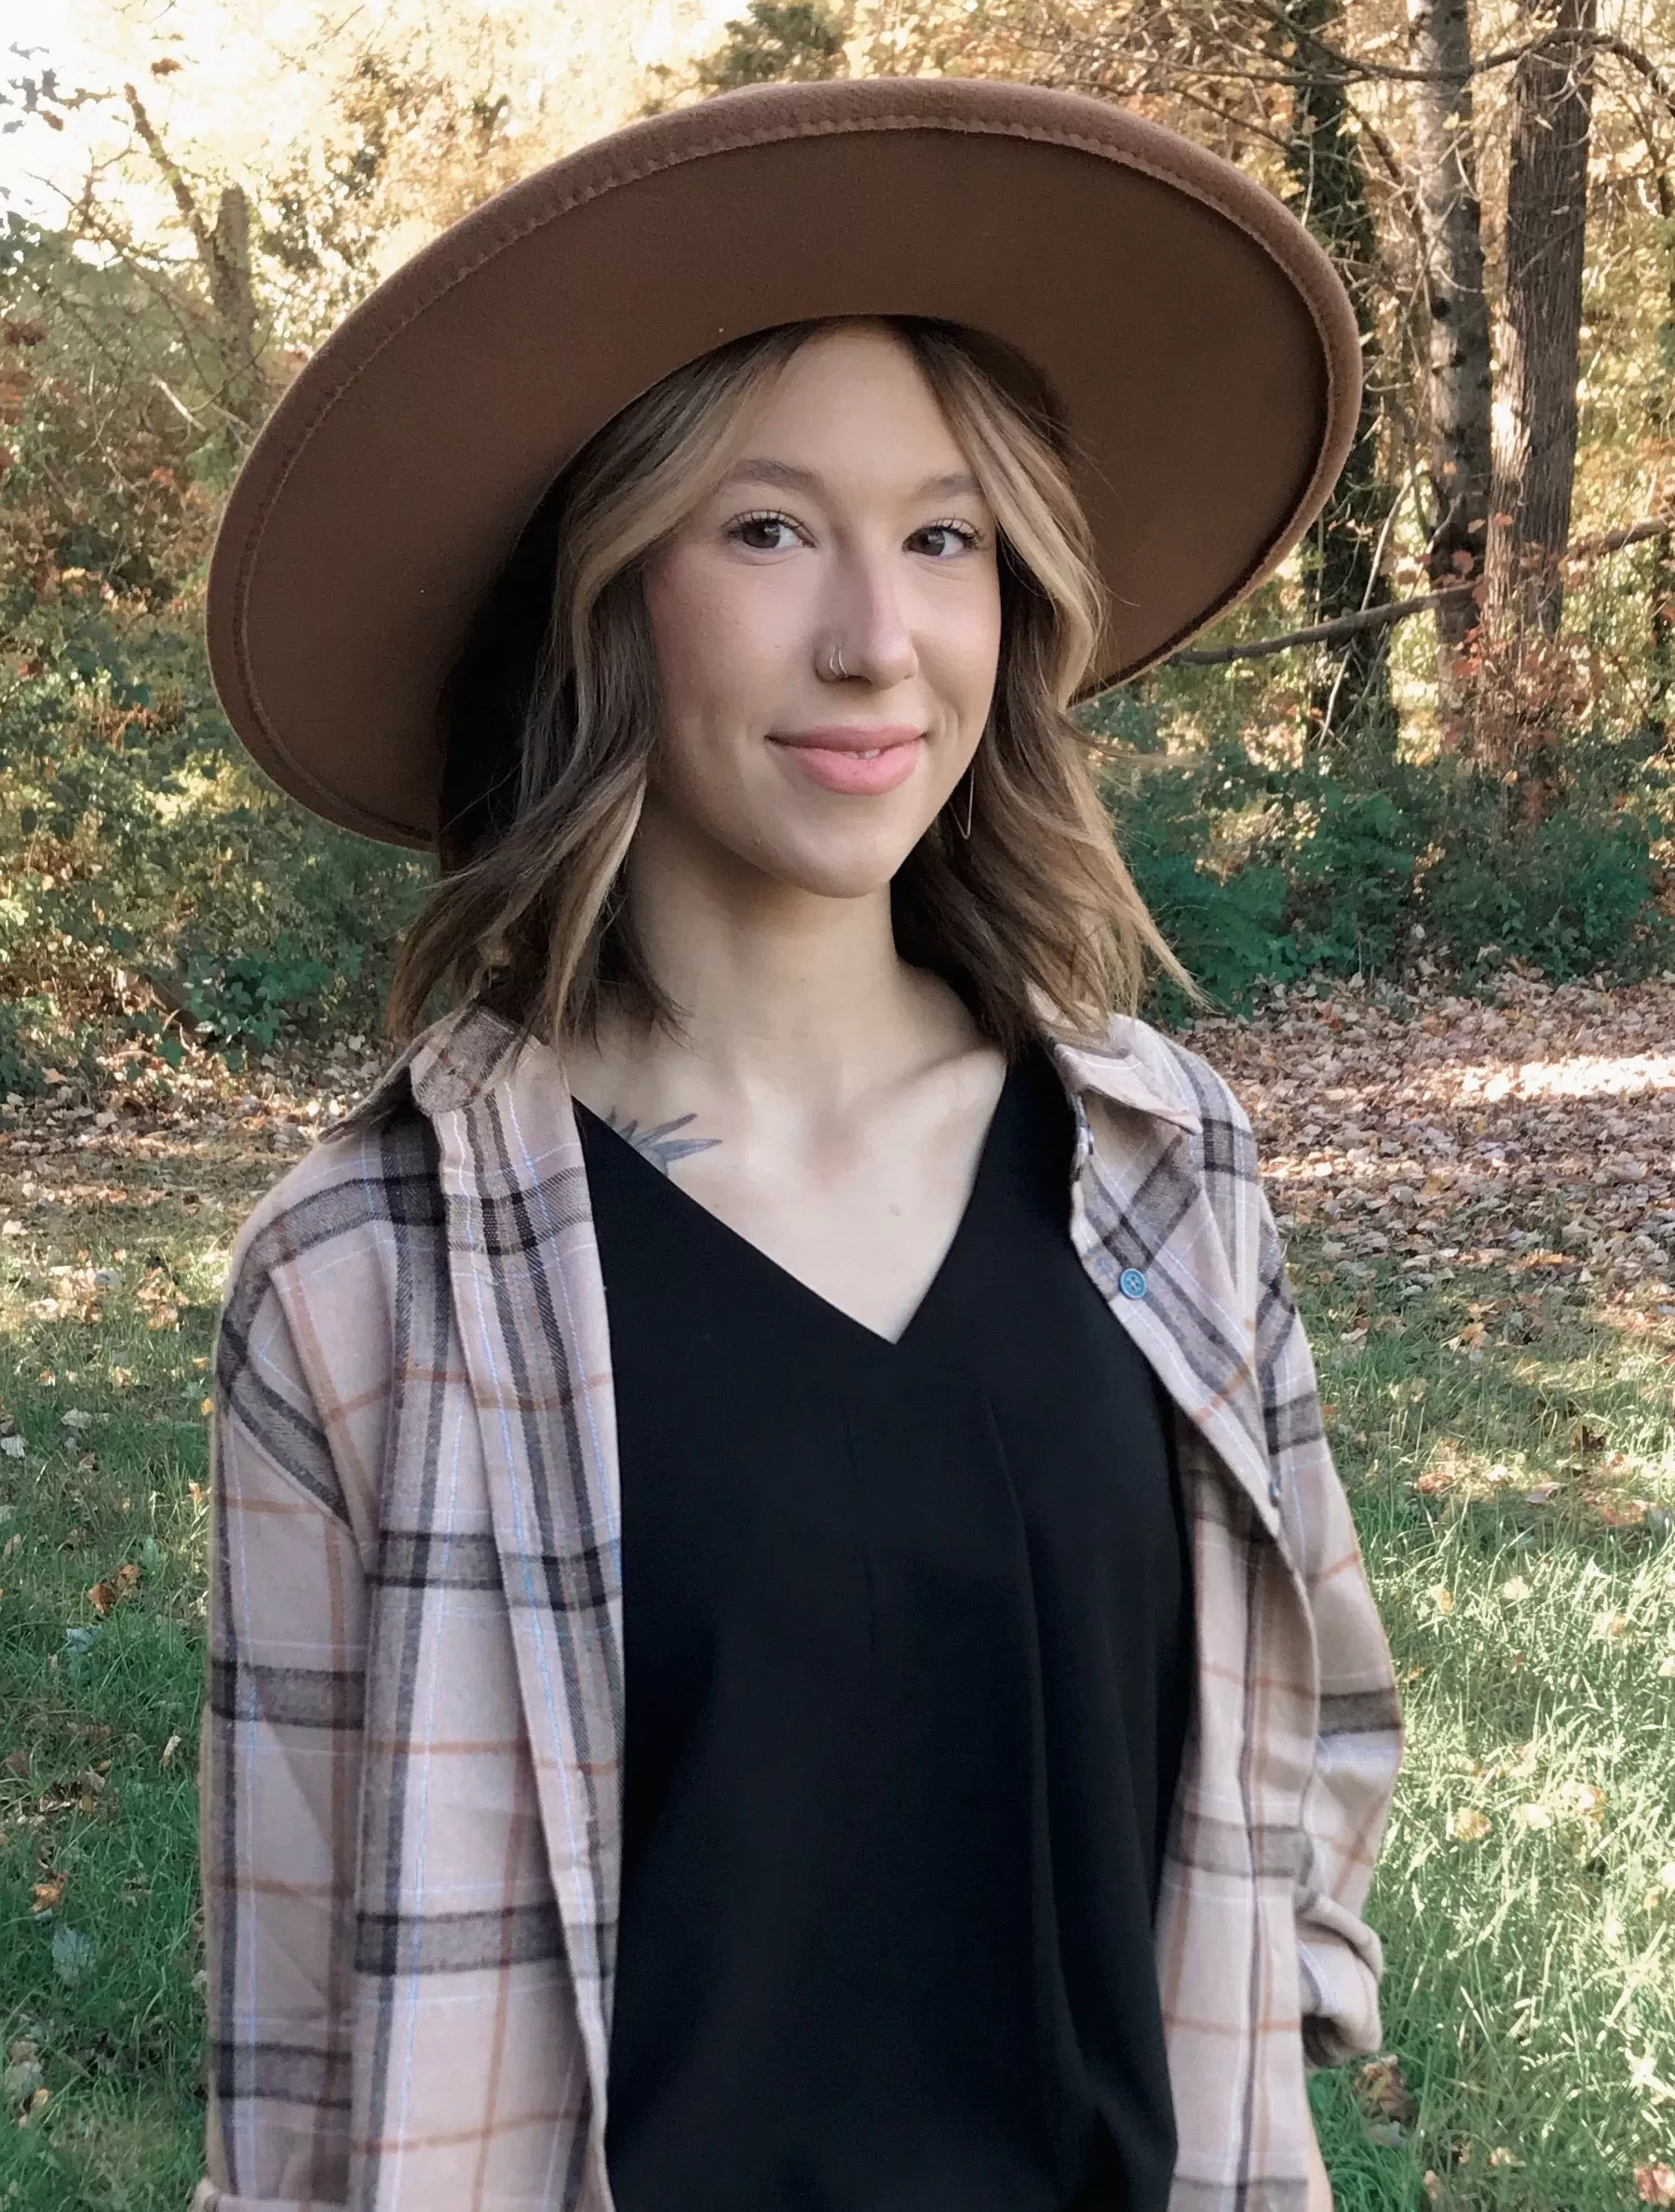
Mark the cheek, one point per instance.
(968, 653)
(681, 616)
(714, 645)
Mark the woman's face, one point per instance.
(851, 529)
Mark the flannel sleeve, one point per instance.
(279, 1757)
(1359, 1742)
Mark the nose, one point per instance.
(868, 637)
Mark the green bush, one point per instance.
(1573, 895)
(1258, 874)
(145, 862)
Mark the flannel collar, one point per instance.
(468, 1052)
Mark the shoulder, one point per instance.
(337, 1217)
(1191, 1142)
(1145, 1066)
(1183, 1077)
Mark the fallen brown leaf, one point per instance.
(1381, 2091)
(1627, 1514)
(1522, 1138)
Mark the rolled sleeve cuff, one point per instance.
(1339, 1980)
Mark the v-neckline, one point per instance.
(787, 1278)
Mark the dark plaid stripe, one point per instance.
(1225, 1152)
(1247, 2082)
(509, 1218)
(1136, 1231)
(535, 1338)
(1229, 1847)
(1360, 1712)
(286, 1696)
(428, 1560)
(1276, 1308)
(1292, 1424)
(281, 2073)
(402, 1196)
(395, 1943)
(285, 1431)
(583, 1582)
(424, 1321)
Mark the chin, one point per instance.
(836, 867)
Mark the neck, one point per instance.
(783, 993)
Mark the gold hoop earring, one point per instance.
(965, 828)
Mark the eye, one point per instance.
(765, 531)
(945, 541)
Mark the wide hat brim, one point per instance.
(1200, 347)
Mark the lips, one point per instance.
(854, 760)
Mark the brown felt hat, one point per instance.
(1198, 346)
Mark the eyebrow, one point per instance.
(958, 484)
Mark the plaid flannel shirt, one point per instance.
(412, 1753)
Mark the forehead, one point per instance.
(853, 390)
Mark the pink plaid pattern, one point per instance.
(412, 1755)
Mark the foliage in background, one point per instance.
(1265, 871)
(148, 871)
(150, 879)
(778, 42)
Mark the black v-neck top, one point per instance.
(908, 1669)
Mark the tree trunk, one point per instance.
(1661, 605)
(1451, 221)
(1661, 586)
(233, 292)
(1546, 227)
(1351, 709)
(223, 256)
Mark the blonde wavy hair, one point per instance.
(554, 713)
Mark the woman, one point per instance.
(784, 1634)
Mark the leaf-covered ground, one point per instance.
(1520, 1151)
(1480, 1200)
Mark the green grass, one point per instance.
(1531, 1986)
(99, 1991)
(1525, 1892)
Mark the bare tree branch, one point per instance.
(1349, 626)
(171, 172)
(1504, 57)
